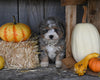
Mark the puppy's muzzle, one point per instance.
(51, 36)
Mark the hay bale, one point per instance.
(20, 55)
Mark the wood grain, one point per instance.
(72, 2)
(70, 23)
(53, 8)
(31, 13)
(94, 13)
(8, 8)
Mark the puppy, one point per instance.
(52, 42)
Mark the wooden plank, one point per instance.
(31, 13)
(53, 8)
(94, 13)
(72, 2)
(70, 23)
(8, 8)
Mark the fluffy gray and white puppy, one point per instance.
(52, 42)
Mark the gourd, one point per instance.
(94, 64)
(85, 40)
(15, 32)
(2, 62)
(81, 67)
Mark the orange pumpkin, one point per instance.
(94, 64)
(15, 32)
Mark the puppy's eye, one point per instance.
(56, 30)
(45, 30)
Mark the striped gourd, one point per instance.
(85, 40)
(15, 32)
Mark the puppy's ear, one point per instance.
(42, 25)
(62, 27)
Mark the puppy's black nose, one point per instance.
(51, 36)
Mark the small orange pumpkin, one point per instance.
(94, 64)
(15, 32)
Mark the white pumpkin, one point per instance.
(85, 40)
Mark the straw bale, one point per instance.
(20, 55)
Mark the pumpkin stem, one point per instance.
(14, 20)
(84, 15)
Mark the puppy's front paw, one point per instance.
(58, 64)
(44, 64)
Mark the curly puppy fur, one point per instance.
(52, 42)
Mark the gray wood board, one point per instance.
(31, 13)
(8, 8)
(53, 8)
